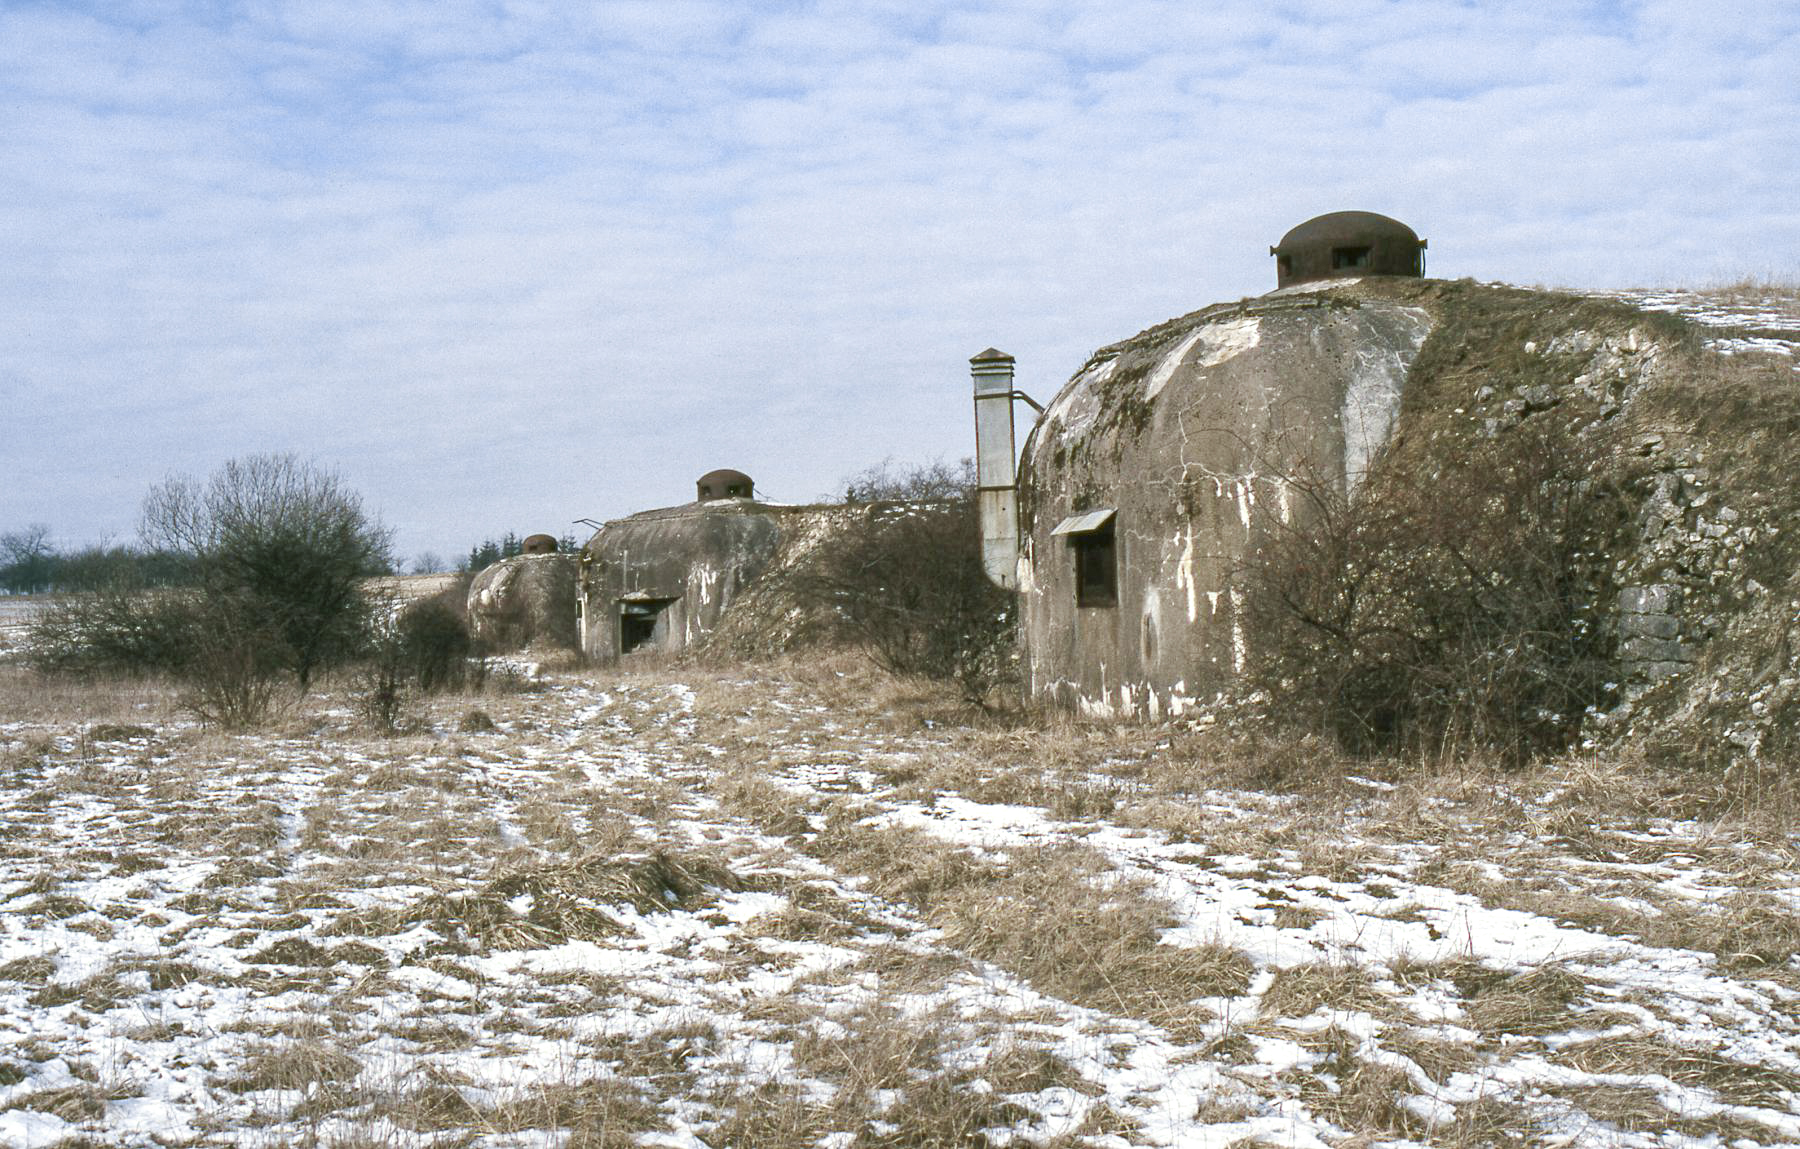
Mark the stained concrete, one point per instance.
(1193, 431)
(663, 579)
(525, 601)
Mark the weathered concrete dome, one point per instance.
(1139, 487)
(660, 580)
(538, 545)
(528, 600)
(1347, 243)
(724, 483)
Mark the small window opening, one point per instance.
(642, 622)
(1096, 568)
(1346, 258)
(1284, 265)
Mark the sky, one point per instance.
(505, 265)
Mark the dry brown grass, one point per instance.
(1298, 991)
(1045, 917)
(1733, 1082)
(30, 970)
(600, 1114)
(567, 900)
(1748, 930)
(1771, 289)
(55, 700)
(299, 1066)
(1499, 1002)
(1357, 1094)
(891, 1068)
(1534, 1001)
(1437, 1057)
(74, 1103)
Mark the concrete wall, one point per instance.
(689, 562)
(525, 601)
(1191, 431)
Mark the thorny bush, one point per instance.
(906, 578)
(1458, 608)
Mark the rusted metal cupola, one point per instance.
(1342, 244)
(538, 545)
(725, 483)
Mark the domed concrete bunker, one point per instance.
(662, 579)
(1156, 472)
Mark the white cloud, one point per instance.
(510, 263)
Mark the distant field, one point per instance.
(16, 613)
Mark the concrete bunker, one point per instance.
(661, 580)
(1155, 472)
(527, 601)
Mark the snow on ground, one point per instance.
(685, 913)
(16, 615)
(1750, 320)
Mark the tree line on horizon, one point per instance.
(31, 563)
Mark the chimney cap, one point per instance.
(992, 355)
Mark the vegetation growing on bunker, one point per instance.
(905, 579)
(1580, 512)
(1456, 604)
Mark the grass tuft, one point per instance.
(1734, 1082)
(300, 1066)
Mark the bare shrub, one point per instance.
(112, 632)
(281, 541)
(1444, 610)
(906, 579)
(423, 648)
(226, 655)
(278, 550)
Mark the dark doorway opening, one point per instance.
(642, 623)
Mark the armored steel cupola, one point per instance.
(1342, 244)
(538, 545)
(724, 484)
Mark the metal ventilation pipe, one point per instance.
(995, 478)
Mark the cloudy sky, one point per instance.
(508, 263)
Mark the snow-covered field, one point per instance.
(16, 615)
(795, 906)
